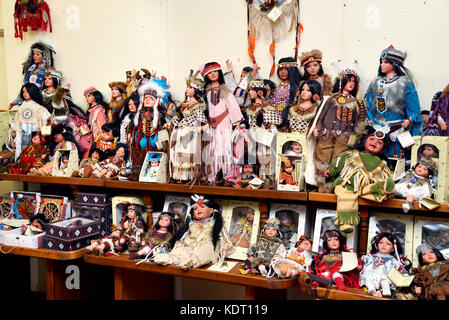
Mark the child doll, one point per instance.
(63, 162)
(118, 93)
(90, 167)
(36, 226)
(152, 169)
(267, 246)
(97, 110)
(385, 255)
(157, 238)
(106, 245)
(286, 176)
(242, 231)
(107, 140)
(248, 173)
(295, 260)
(326, 266)
(415, 184)
(432, 275)
(34, 155)
(201, 240)
(360, 172)
(116, 164)
(313, 70)
(133, 228)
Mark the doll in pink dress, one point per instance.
(97, 110)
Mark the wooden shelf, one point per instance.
(53, 180)
(42, 253)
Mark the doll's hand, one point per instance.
(326, 173)
(43, 156)
(316, 132)
(443, 125)
(418, 290)
(229, 64)
(24, 228)
(11, 105)
(406, 123)
(13, 143)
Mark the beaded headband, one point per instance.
(393, 55)
(208, 69)
(54, 73)
(287, 65)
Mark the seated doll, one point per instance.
(384, 256)
(116, 164)
(360, 172)
(242, 231)
(267, 246)
(248, 173)
(133, 228)
(34, 155)
(157, 238)
(201, 240)
(106, 245)
(294, 261)
(415, 184)
(107, 140)
(326, 266)
(432, 275)
(90, 167)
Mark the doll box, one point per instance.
(398, 165)
(15, 238)
(284, 152)
(177, 205)
(72, 229)
(119, 206)
(100, 214)
(442, 144)
(25, 204)
(61, 245)
(92, 199)
(154, 174)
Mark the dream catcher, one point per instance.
(32, 14)
(53, 208)
(272, 18)
(5, 207)
(25, 206)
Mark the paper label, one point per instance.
(399, 279)
(264, 137)
(405, 139)
(274, 14)
(349, 261)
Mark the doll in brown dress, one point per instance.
(33, 156)
(115, 164)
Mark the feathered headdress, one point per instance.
(194, 81)
(158, 88)
(344, 68)
(47, 52)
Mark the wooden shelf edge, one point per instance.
(51, 179)
(42, 253)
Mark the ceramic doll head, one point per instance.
(247, 169)
(257, 89)
(311, 62)
(310, 90)
(271, 87)
(36, 138)
(272, 228)
(347, 83)
(41, 53)
(368, 143)
(304, 243)
(296, 147)
(425, 117)
(166, 220)
(386, 243)
(249, 216)
(121, 151)
(96, 154)
(391, 59)
(286, 221)
(288, 166)
(428, 254)
(118, 90)
(109, 132)
(195, 86)
(428, 150)
(38, 221)
(333, 240)
(30, 91)
(246, 71)
(64, 159)
(94, 97)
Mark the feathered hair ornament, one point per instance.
(158, 88)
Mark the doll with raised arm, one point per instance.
(431, 280)
(116, 164)
(133, 228)
(295, 261)
(267, 246)
(326, 266)
(416, 183)
(313, 70)
(34, 155)
(384, 256)
(118, 98)
(156, 239)
(239, 89)
(201, 240)
(90, 167)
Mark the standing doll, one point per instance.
(385, 255)
(326, 266)
(116, 164)
(97, 111)
(118, 98)
(224, 115)
(285, 92)
(392, 100)
(34, 155)
(294, 261)
(201, 240)
(313, 70)
(126, 116)
(431, 280)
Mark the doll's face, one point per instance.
(90, 99)
(36, 224)
(149, 101)
(201, 212)
(164, 221)
(115, 92)
(305, 245)
(95, 155)
(190, 91)
(59, 138)
(271, 232)
(306, 94)
(313, 68)
(107, 135)
(428, 152)
(428, 256)
(421, 170)
(247, 168)
(36, 140)
(120, 152)
(25, 93)
(288, 169)
(49, 82)
(243, 75)
(296, 147)
(373, 145)
(252, 94)
(333, 243)
(131, 213)
(154, 163)
(425, 119)
(250, 215)
(65, 161)
(283, 74)
(132, 107)
(385, 245)
(386, 67)
(213, 75)
(116, 233)
(38, 58)
(287, 221)
(350, 85)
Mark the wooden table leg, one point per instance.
(149, 208)
(363, 241)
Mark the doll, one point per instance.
(249, 172)
(34, 155)
(107, 140)
(90, 167)
(77, 120)
(118, 93)
(224, 115)
(326, 266)
(286, 175)
(38, 61)
(415, 184)
(133, 229)
(63, 162)
(360, 172)
(157, 238)
(132, 80)
(341, 116)
(294, 261)
(313, 70)
(201, 240)
(385, 255)
(285, 92)
(241, 231)
(439, 114)
(239, 89)
(186, 132)
(30, 116)
(153, 168)
(97, 110)
(126, 116)
(36, 226)
(116, 164)
(289, 232)
(432, 275)
(267, 246)
(392, 100)
(106, 245)
(149, 119)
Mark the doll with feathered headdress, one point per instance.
(201, 240)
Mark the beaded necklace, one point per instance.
(381, 106)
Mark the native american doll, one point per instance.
(326, 266)
(286, 175)
(97, 111)
(149, 119)
(416, 183)
(33, 14)
(360, 172)
(313, 70)
(439, 115)
(295, 260)
(118, 98)
(133, 228)
(242, 231)
(249, 172)
(34, 155)
(132, 80)
(385, 255)
(126, 116)
(240, 89)
(156, 239)
(267, 246)
(106, 245)
(90, 167)
(339, 117)
(201, 240)
(223, 114)
(116, 164)
(285, 92)
(39, 60)
(392, 101)
(186, 147)
(431, 280)
(107, 140)
(31, 116)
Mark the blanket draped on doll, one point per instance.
(434, 279)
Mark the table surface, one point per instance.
(42, 253)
